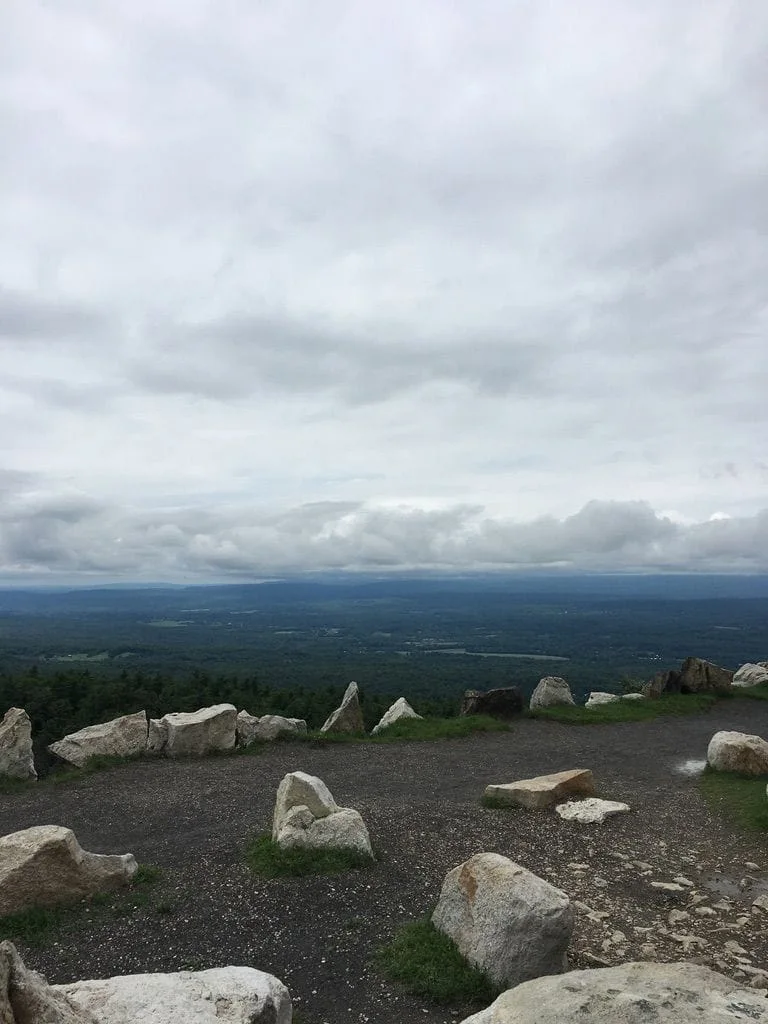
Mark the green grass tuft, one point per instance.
(740, 799)
(439, 728)
(428, 964)
(267, 860)
(753, 692)
(628, 710)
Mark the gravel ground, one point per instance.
(421, 804)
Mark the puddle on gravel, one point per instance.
(691, 767)
(744, 887)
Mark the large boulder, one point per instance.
(251, 729)
(544, 790)
(16, 758)
(194, 733)
(122, 737)
(504, 920)
(750, 675)
(45, 865)
(306, 815)
(633, 993)
(738, 752)
(598, 698)
(694, 676)
(506, 702)
(551, 692)
(348, 716)
(27, 998)
(396, 713)
(223, 995)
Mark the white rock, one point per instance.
(738, 752)
(122, 737)
(298, 789)
(194, 733)
(16, 758)
(506, 921)
(590, 810)
(27, 998)
(45, 865)
(544, 790)
(269, 727)
(750, 675)
(633, 696)
(598, 697)
(307, 815)
(399, 710)
(633, 993)
(348, 716)
(224, 995)
(550, 692)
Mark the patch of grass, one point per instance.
(428, 964)
(738, 798)
(37, 926)
(628, 710)
(267, 860)
(439, 728)
(753, 692)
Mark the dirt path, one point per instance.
(420, 801)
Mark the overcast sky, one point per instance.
(294, 284)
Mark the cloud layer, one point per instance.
(308, 285)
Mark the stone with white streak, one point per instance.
(27, 998)
(252, 729)
(16, 757)
(504, 920)
(223, 995)
(590, 810)
(306, 815)
(544, 790)
(738, 752)
(551, 692)
(45, 865)
(633, 993)
(348, 716)
(750, 675)
(194, 733)
(122, 737)
(396, 713)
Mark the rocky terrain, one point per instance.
(668, 881)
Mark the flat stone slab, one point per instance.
(590, 810)
(544, 790)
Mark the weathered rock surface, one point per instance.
(27, 998)
(251, 728)
(633, 993)
(590, 810)
(224, 995)
(550, 692)
(16, 758)
(399, 710)
(307, 815)
(750, 675)
(599, 697)
(544, 790)
(193, 733)
(348, 716)
(506, 921)
(505, 702)
(122, 737)
(738, 752)
(45, 865)
(695, 676)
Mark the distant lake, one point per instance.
(493, 654)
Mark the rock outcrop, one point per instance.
(193, 733)
(695, 676)
(306, 815)
(27, 998)
(223, 995)
(738, 752)
(590, 810)
(396, 713)
(45, 865)
(751, 675)
(544, 790)
(122, 737)
(16, 758)
(348, 716)
(551, 692)
(251, 729)
(633, 993)
(506, 921)
(506, 702)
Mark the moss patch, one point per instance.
(740, 799)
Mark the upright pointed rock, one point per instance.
(348, 716)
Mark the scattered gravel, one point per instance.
(421, 804)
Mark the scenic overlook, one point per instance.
(383, 512)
